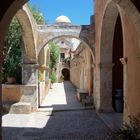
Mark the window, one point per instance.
(62, 56)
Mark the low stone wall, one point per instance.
(20, 93)
(23, 99)
(11, 93)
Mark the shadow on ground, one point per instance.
(73, 124)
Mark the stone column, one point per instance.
(29, 90)
(103, 95)
(30, 84)
(29, 73)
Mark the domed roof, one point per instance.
(62, 19)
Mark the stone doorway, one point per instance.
(117, 70)
(66, 74)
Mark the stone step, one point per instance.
(6, 106)
(88, 101)
(20, 108)
(81, 94)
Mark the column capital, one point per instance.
(124, 60)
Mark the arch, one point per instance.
(29, 69)
(7, 19)
(10, 8)
(28, 25)
(86, 70)
(66, 73)
(84, 32)
(67, 36)
(104, 65)
(132, 12)
(129, 17)
(108, 25)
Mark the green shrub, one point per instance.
(54, 55)
(53, 77)
(130, 131)
(12, 52)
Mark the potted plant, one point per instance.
(12, 69)
(12, 53)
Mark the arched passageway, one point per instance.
(116, 63)
(84, 59)
(66, 74)
(80, 69)
(30, 68)
(33, 42)
(28, 64)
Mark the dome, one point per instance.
(62, 19)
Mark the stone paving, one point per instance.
(67, 124)
(62, 96)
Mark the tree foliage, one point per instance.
(38, 16)
(54, 54)
(12, 51)
(53, 77)
(13, 39)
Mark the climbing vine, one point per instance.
(54, 56)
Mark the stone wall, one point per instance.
(11, 93)
(81, 71)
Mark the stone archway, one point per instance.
(88, 59)
(6, 13)
(129, 60)
(132, 11)
(29, 86)
(103, 94)
(29, 26)
(84, 33)
(66, 73)
(91, 48)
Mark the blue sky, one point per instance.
(78, 11)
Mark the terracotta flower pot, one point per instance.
(11, 80)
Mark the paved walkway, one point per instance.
(62, 96)
(73, 124)
(65, 125)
